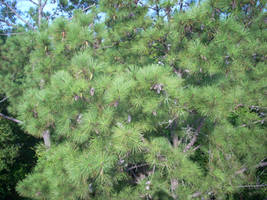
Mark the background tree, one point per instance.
(17, 156)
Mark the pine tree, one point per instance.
(148, 100)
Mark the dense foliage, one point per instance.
(144, 100)
(17, 156)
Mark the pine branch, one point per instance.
(194, 139)
(5, 98)
(11, 118)
(20, 17)
(261, 164)
(44, 3)
(9, 24)
(33, 2)
(12, 33)
(137, 166)
(46, 133)
(85, 9)
(196, 194)
(252, 186)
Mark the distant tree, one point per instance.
(7, 17)
(17, 156)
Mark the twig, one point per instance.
(196, 194)
(194, 139)
(9, 24)
(44, 3)
(11, 118)
(21, 18)
(12, 33)
(3, 99)
(252, 186)
(261, 164)
(33, 2)
(137, 166)
(85, 9)
(196, 148)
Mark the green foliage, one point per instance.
(16, 158)
(155, 100)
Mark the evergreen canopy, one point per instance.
(144, 100)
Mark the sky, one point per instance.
(24, 5)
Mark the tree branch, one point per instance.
(46, 133)
(5, 98)
(196, 194)
(21, 18)
(7, 34)
(252, 186)
(137, 166)
(33, 2)
(194, 139)
(11, 118)
(44, 4)
(261, 164)
(9, 24)
(85, 9)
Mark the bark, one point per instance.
(175, 140)
(195, 195)
(194, 139)
(174, 186)
(46, 137)
(262, 164)
(39, 13)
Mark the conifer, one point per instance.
(155, 100)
